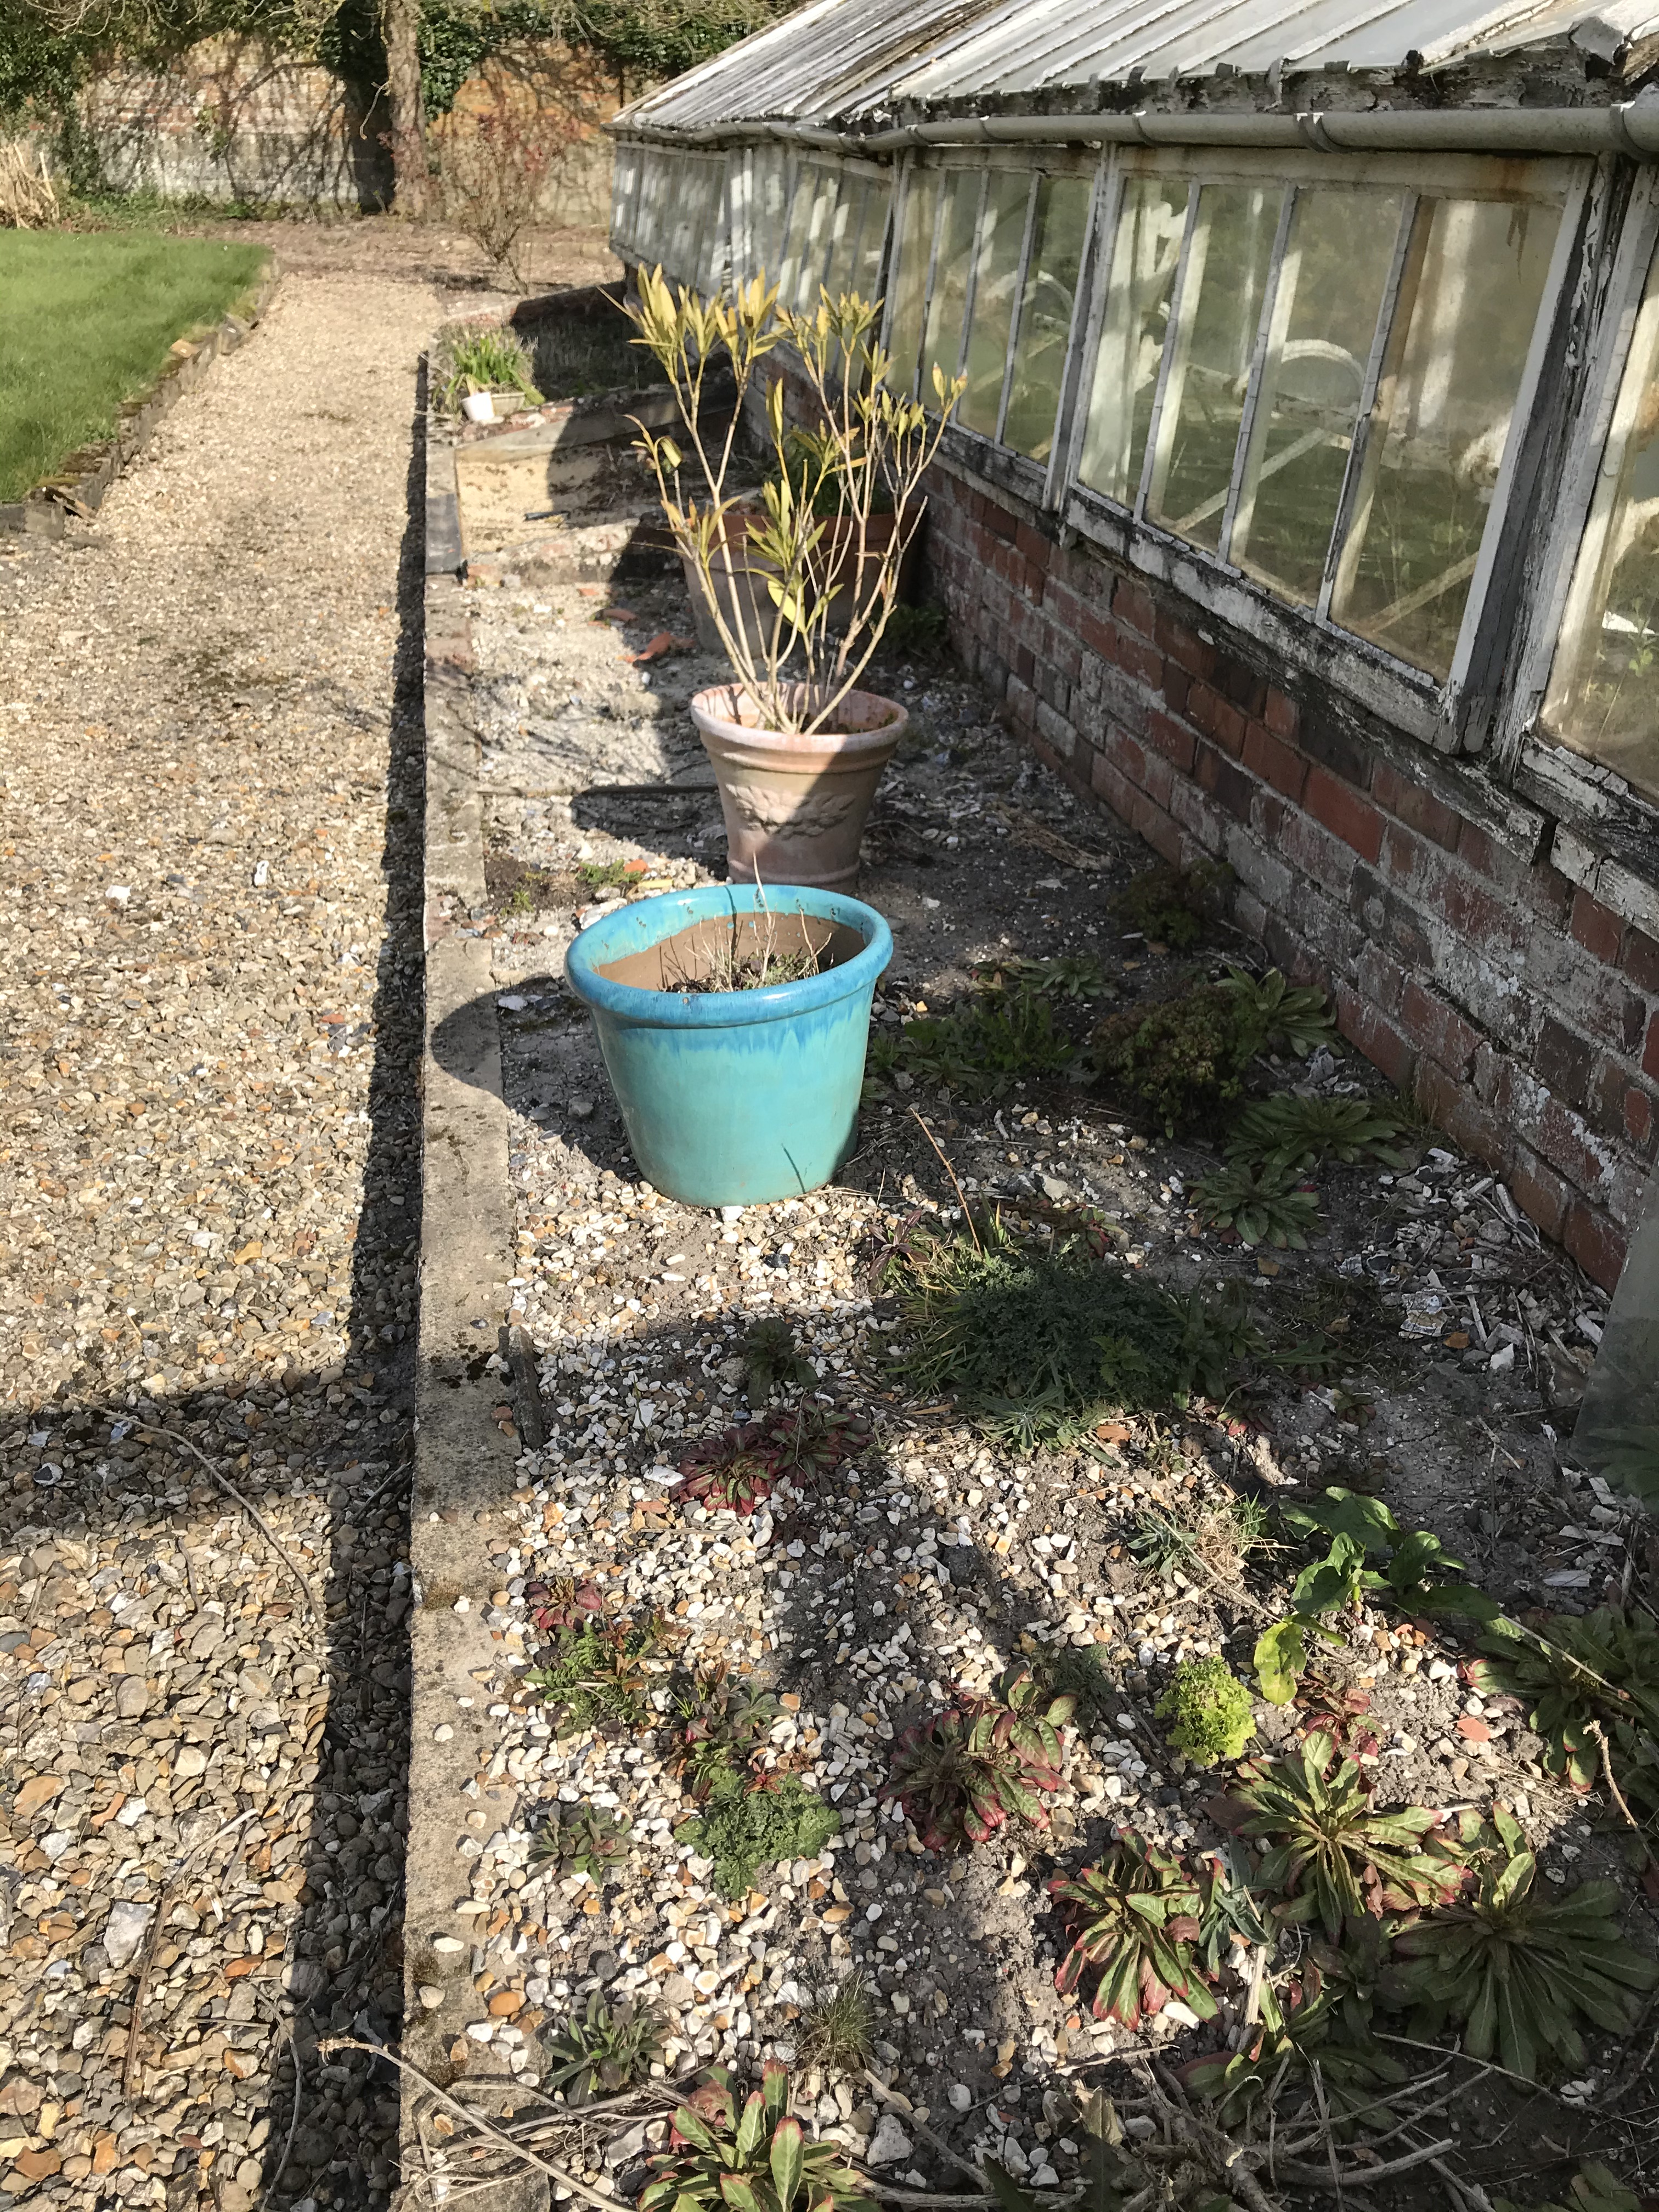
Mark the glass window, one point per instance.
(712, 257)
(1144, 253)
(1338, 253)
(942, 340)
(872, 239)
(909, 286)
(852, 209)
(1469, 298)
(1214, 344)
(811, 210)
(769, 210)
(996, 274)
(1058, 230)
(1603, 699)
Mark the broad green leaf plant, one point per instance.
(814, 542)
(756, 2160)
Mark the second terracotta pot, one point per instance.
(795, 807)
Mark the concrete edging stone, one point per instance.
(464, 1465)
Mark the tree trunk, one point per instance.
(400, 20)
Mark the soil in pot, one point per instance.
(742, 953)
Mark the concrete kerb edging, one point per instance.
(463, 1464)
(80, 486)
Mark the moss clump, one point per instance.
(1181, 1061)
(1169, 908)
(1212, 1712)
(742, 1830)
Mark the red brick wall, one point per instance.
(1519, 1011)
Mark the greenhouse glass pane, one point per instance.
(796, 233)
(1603, 698)
(1473, 281)
(1045, 313)
(866, 264)
(851, 206)
(1144, 253)
(815, 253)
(996, 274)
(910, 285)
(942, 340)
(1337, 257)
(768, 211)
(1227, 265)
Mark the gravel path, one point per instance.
(209, 820)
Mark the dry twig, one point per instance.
(184, 1444)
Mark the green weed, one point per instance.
(1281, 1134)
(1261, 1204)
(487, 361)
(1210, 1708)
(1169, 907)
(1181, 1061)
(745, 1831)
(838, 2025)
(978, 1052)
(599, 2053)
(596, 1674)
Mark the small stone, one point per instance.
(961, 2097)
(431, 1996)
(580, 1107)
(131, 1698)
(190, 1762)
(124, 1930)
(890, 2143)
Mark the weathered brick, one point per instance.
(1139, 659)
(1056, 729)
(1216, 717)
(1099, 635)
(1412, 804)
(1184, 646)
(1381, 980)
(1161, 833)
(1173, 739)
(1538, 1190)
(1280, 713)
(1595, 1243)
(1308, 845)
(1642, 962)
(1567, 1141)
(1438, 1030)
(1371, 1032)
(1230, 787)
(1240, 685)
(1353, 818)
(1034, 545)
(1564, 1060)
(1332, 747)
(1022, 703)
(1273, 761)
(1132, 607)
(1599, 932)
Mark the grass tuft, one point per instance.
(837, 2028)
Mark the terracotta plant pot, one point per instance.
(739, 585)
(840, 555)
(795, 807)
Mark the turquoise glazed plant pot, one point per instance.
(733, 1097)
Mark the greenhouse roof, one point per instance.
(857, 64)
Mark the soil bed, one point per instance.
(938, 1554)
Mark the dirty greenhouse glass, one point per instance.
(1214, 343)
(1602, 699)
(1338, 253)
(1145, 250)
(942, 340)
(1470, 296)
(1048, 296)
(854, 211)
(768, 211)
(805, 253)
(909, 283)
(996, 275)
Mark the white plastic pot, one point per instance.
(479, 407)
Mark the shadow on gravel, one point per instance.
(345, 1954)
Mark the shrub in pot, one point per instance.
(816, 555)
(733, 1023)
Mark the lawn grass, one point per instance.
(86, 320)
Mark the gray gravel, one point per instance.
(209, 1011)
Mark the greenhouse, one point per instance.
(1303, 498)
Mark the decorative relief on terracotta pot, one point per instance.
(810, 816)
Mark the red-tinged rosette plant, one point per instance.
(736, 1470)
(1137, 1917)
(1328, 1850)
(960, 1775)
(563, 1603)
(719, 2159)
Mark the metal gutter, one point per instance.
(1631, 128)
